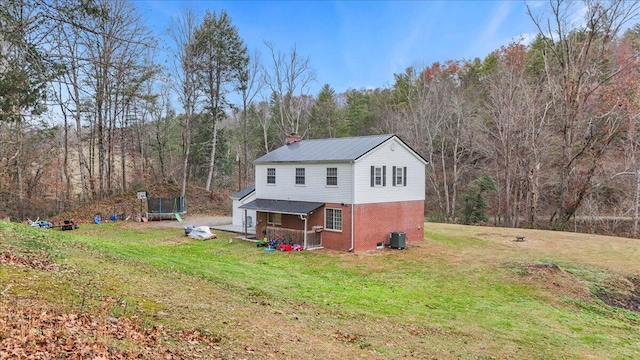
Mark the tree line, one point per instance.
(540, 135)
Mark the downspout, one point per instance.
(353, 201)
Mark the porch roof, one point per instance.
(282, 206)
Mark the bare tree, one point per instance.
(184, 75)
(515, 113)
(250, 84)
(574, 55)
(434, 117)
(25, 71)
(262, 113)
(289, 78)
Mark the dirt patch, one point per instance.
(554, 282)
(622, 293)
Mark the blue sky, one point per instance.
(361, 44)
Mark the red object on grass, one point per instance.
(284, 247)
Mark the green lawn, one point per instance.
(465, 292)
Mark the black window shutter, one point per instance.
(384, 176)
(404, 172)
(373, 175)
(393, 176)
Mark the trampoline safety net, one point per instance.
(170, 205)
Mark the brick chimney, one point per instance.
(293, 138)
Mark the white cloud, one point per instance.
(498, 16)
(526, 38)
(491, 37)
(536, 4)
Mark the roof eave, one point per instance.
(303, 162)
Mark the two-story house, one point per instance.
(341, 193)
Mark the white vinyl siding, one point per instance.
(315, 188)
(238, 214)
(333, 219)
(399, 157)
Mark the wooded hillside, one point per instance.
(541, 134)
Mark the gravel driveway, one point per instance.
(191, 220)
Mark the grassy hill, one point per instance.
(126, 290)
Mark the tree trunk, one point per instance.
(636, 204)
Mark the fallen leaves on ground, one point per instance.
(29, 330)
(38, 261)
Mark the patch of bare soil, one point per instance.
(555, 281)
(622, 293)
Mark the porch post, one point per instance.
(305, 232)
(246, 237)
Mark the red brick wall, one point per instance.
(374, 222)
(338, 240)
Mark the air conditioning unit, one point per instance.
(398, 240)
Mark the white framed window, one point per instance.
(333, 219)
(271, 175)
(332, 176)
(300, 176)
(274, 219)
(378, 176)
(399, 176)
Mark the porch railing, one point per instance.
(314, 239)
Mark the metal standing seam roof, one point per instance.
(321, 150)
(244, 192)
(282, 206)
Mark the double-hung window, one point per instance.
(333, 219)
(299, 176)
(332, 176)
(399, 176)
(378, 176)
(271, 176)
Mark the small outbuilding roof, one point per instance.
(282, 206)
(244, 192)
(325, 150)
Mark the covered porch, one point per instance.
(294, 222)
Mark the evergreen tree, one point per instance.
(474, 207)
(325, 114)
(221, 56)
